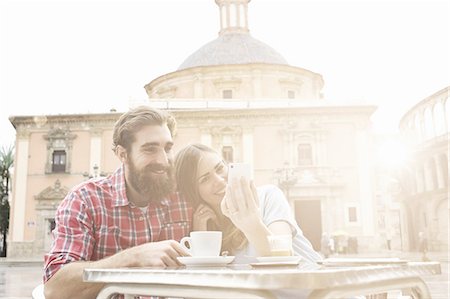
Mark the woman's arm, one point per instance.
(241, 206)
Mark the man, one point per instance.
(130, 218)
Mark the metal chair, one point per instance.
(38, 292)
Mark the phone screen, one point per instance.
(238, 170)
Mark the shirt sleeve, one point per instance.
(275, 207)
(73, 234)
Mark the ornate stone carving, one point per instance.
(59, 139)
(55, 193)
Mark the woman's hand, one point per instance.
(201, 216)
(240, 204)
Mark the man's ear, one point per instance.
(121, 153)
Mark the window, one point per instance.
(227, 153)
(227, 94)
(59, 161)
(428, 121)
(304, 154)
(352, 216)
(291, 94)
(439, 118)
(59, 150)
(51, 225)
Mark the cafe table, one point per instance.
(337, 280)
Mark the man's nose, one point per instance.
(163, 158)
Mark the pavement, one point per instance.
(18, 277)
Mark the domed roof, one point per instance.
(233, 48)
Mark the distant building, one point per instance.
(424, 192)
(241, 97)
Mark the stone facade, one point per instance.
(271, 115)
(424, 192)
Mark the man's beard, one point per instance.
(153, 186)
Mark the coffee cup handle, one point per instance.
(184, 241)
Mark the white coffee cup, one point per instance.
(280, 245)
(203, 243)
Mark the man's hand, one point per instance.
(154, 254)
(158, 254)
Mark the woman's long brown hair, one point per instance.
(186, 167)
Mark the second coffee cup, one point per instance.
(203, 243)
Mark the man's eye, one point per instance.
(151, 150)
(168, 149)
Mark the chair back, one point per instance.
(38, 292)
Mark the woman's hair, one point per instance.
(132, 121)
(186, 167)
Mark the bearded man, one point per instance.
(131, 218)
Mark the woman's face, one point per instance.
(211, 179)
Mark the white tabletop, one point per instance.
(245, 277)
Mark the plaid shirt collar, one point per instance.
(119, 187)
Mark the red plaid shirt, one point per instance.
(96, 220)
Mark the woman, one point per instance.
(244, 214)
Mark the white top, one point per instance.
(274, 206)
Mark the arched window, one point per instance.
(59, 150)
(59, 161)
(227, 153)
(439, 118)
(291, 94)
(420, 179)
(227, 94)
(433, 175)
(443, 171)
(447, 113)
(233, 14)
(304, 154)
(418, 127)
(428, 121)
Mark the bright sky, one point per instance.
(83, 56)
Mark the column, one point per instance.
(206, 139)
(96, 150)
(17, 221)
(365, 183)
(247, 147)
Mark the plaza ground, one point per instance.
(19, 277)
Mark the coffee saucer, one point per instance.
(279, 259)
(205, 260)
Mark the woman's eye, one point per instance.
(220, 168)
(203, 180)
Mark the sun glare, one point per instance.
(392, 154)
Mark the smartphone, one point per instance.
(238, 170)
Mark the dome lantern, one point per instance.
(233, 16)
(234, 45)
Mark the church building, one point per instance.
(242, 98)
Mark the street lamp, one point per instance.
(93, 175)
(286, 178)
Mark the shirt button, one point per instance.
(141, 218)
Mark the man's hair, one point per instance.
(132, 121)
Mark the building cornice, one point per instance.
(234, 68)
(428, 101)
(41, 121)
